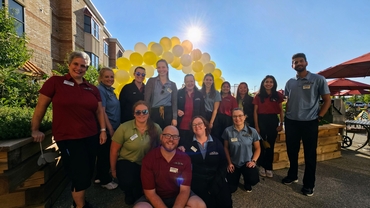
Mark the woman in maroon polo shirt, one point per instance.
(77, 110)
(267, 105)
(227, 104)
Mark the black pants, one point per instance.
(307, 131)
(250, 176)
(156, 118)
(222, 121)
(267, 124)
(128, 175)
(102, 162)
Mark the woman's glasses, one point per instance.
(168, 136)
(198, 124)
(140, 74)
(139, 112)
(238, 116)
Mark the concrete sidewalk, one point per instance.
(341, 182)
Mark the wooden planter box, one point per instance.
(22, 182)
(328, 146)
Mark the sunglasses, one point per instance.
(139, 112)
(138, 74)
(163, 87)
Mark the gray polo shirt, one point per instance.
(209, 102)
(240, 144)
(303, 96)
(162, 94)
(111, 104)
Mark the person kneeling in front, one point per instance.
(166, 175)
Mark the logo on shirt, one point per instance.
(213, 153)
(178, 163)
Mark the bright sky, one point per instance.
(248, 39)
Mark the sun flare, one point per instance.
(195, 34)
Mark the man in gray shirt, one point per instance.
(302, 117)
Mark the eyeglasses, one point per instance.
(138, 74)
(163, 87)
(238, 116)
(168, 136)
(139, 112)
(198, 124)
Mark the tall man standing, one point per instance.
(302, 117)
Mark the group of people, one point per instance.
(176, 148)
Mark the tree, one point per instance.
(13, 48)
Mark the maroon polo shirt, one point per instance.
(74, 107)
(268, 106)
(188, 111)
(165, 177)
(227, 104)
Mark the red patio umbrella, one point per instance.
(354, 92)
(337, 85)
(357, 67)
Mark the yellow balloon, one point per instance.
(157, 49)
(187, 45)
(186, 69)
(166, 43)
(118, 89)
(136, 58)
(168, 56)
(217, 73)
(150, 45)
(223, 79)
(131, 71)
(127, 53)
(218, 82)
(140, 47)
(208, 68)
(197, 66)
(200, 83)
(205, 58)
(176, 62)
(150, 58)
(199, 76)
(212, 62)
(122, 76)
(114, 70)
(185, 60)
(175, 41)
(177, 50)
(149, 71)
(196, 54)
(123, 63)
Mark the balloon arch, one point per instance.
(180, 55)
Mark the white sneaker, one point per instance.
(262, 172)
(110, 186)
(269, 173)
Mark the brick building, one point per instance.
(55, 28)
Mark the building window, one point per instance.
(119, 54)
(106, 48)
(17, 12)
(94, 59)
(91, 26)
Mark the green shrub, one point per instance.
(15, 122)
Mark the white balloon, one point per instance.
(141, 48)
(205, 58)
(127, 54)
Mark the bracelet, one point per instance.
(103, 129)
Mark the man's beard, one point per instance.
(300, 69)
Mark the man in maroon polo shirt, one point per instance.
(166, 175)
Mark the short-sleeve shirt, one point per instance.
(74, 107)
(165, 177)
(209, 102)
(303, 96)
(240, 144)
(269, 106)
(134, 145)
(111, 104)
(162, 94)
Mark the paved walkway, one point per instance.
(341, 182)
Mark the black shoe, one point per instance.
(288, 181)
(248, 188)
(307, 191)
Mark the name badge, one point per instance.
(174, 170)
(306, 87)
(169, 90)
(193, 148)
(234, 139)
(69, 83)
(133, 137)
